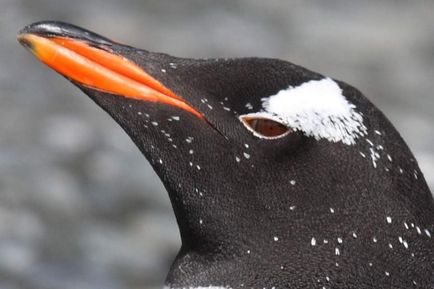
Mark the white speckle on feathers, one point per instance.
(313, 241)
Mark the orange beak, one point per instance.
(101, 70)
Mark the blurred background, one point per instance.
(81, 208)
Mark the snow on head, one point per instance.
(319, 109)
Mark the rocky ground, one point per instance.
(81, 208)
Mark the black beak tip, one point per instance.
(42, 28)
(62, 29)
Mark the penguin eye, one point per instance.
(264, 127)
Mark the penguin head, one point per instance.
(265, 162)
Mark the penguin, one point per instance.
(279, 177)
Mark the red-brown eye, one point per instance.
(264, 127)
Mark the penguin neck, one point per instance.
(211, 244)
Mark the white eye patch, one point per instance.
(319, 109)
